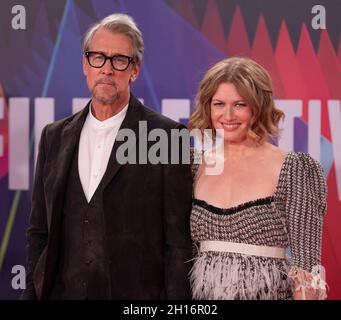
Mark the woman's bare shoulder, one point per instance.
(274, 153)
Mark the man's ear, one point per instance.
(85, 65)
(135, 72)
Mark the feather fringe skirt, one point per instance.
(229, 276)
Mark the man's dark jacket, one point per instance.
(146, 210)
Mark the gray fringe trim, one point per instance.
(220, 276)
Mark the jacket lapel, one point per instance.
(69, 140)
(131, 121)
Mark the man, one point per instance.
(100, 229)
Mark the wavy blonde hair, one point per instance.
(254, 85)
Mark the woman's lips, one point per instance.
(230, 126)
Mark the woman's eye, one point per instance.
(240, 105)
(218, 104)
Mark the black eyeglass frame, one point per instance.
(130, 59)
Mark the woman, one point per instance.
(264, 201)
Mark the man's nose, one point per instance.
(107, 68)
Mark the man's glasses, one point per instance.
(119, 62)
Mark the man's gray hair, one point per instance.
(118, 23)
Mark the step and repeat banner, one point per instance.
(41, 80)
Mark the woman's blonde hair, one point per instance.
(254, 85)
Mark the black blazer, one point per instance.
(146, 211)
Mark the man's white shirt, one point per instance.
(95, 145)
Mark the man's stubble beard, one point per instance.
(105, 97)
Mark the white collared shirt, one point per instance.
(95, 145)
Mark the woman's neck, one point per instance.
(239, 151)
